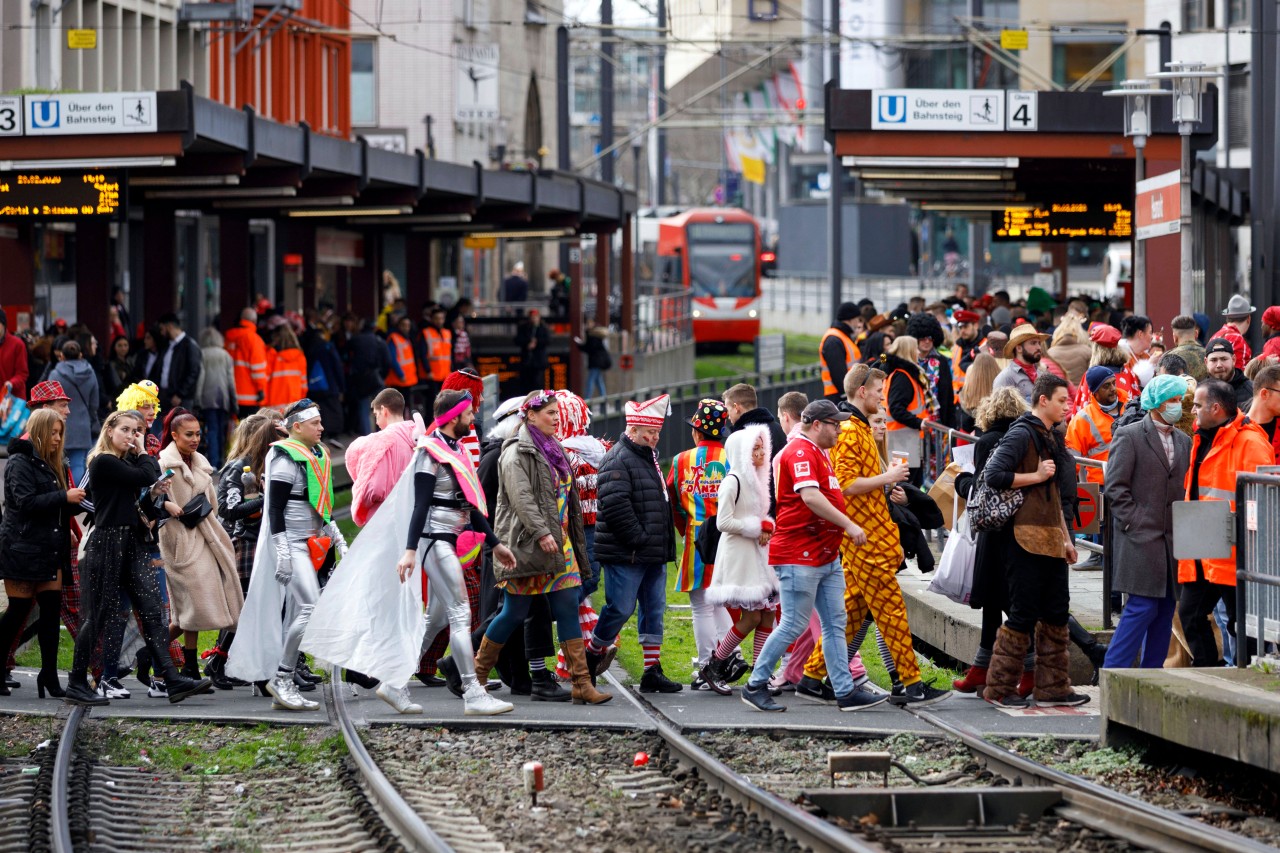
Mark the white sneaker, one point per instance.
(111, 688)
(157, 689)
(478, 703)
(286, 696)
(398, 698)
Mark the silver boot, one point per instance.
(478, 703)
(286, 696)
(398, 698)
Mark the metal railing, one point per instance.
(608, 415)
(663, 321)
(938, 441)
(1257, 543)
(802, 294)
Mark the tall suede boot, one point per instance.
(1053, 667)
(486, 657)
(1006, 668)
(584, 693)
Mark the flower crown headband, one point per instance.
(536, 401)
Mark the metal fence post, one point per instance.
(1107, 556)
(1242, 574)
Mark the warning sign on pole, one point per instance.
(1089, 508)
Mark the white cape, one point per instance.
(255, 653)
(367, 620)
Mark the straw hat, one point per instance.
(1022, 333)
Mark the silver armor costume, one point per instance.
(447, 603)
(301, 522)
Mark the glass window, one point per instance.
(722, 259)
(1073, 60)
(1197, 14)
(1237, 12)
(364, 90)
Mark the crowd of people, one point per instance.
(788, 527)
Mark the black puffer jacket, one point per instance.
(633, 524)
(34, 533)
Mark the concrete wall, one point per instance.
(877, 239)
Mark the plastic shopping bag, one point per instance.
(954, 577)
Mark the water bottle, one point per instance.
(248, 482)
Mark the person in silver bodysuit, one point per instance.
(442, 511)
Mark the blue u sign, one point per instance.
(44, 114)
(892, 109)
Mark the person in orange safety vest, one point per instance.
(1225, 443)
(1089, 433)
(249, 363)
(838, 350)
(288, 382)
(437, 353)
(404, 364)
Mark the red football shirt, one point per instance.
(801, 538)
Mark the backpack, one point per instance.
(707, 542)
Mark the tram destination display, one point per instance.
(1072, 220)
(58, 194)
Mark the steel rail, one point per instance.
(413, 832)
(1114, 813)
(60, 796)
(812, 832)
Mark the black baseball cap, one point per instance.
(823, 410)
(1219, 345)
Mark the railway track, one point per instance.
(374, 804)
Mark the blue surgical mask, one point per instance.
(1171, 412)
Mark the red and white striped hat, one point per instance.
(650, 413)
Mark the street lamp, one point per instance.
(1188, 80)
(1137, 96)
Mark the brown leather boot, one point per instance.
(1053, 667)
(584, 693)
(486, 657)
(1006, 668)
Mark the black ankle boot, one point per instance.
(180, 687)
(359, 679)
(215, 671)
(305, 671)
(191, 663)
(144, 667)
(545, 688)
(80, 693)
(452, 677)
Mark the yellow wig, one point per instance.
(138, 395)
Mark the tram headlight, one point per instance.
(696, 313)
(753, 313)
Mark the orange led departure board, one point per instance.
(58, 194)
(1075, 220)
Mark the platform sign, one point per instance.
(937, 109)
(91, 113)
(11, 115)
(1089, 507)
(1158, 210)
(1023, 111)
(1064, 219)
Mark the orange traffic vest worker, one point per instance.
(838, 352)
(902, 385)
(288, 383)
(1089, 433)
(1226, 443)
(248, 360)
(402, 354)
(438, 344)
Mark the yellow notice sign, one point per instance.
(82, 39)
(752, 170)
(1013, 39)
(475, 242)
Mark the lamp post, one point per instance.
(636, 145)
(1137, 96)
(1188, 80)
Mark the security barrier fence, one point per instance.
(938, 441)
(1257, 528)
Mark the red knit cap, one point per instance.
(1271, 317)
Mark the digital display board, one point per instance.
(58, 194)
(1075, 220)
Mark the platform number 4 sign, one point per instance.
(1021, 113)
(11, 115)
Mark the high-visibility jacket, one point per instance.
(249, 362)
(439, 352)
(1089, 435)
(958, 352)
(288, 383)
(1239, 445)
(918, 406)
(851, 355)
(404, 358)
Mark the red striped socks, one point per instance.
(730, 642)
(652, 655)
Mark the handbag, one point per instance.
(991, 509)
(954, 578)
(13, 415)
(317, 379)
(707, 541)
(195, 511)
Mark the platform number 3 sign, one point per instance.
(11, 116)
(1021, 113)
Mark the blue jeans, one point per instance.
(215, 435)
(363, 417)
(1228, 636)
(1146, 624)
(625, 586)
(803, 589)
(591, 584)
(564, 609)
(76, 459)
(595, 383)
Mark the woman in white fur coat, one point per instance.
(199, 561)
(744, 582)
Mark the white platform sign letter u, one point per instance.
(892, 108)
(43, 113)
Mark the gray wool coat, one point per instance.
(1141, 487)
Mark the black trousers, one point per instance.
(1037, 589)
(1197, 601)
